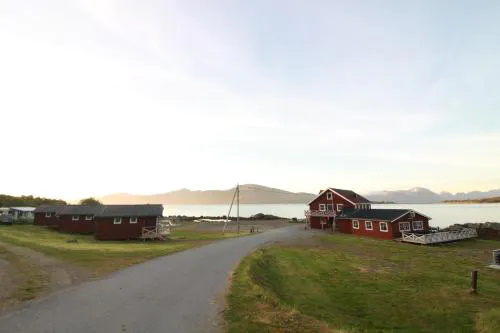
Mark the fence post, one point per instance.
(473, 289)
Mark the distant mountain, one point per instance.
(249, 194)
(258, 194)
(423, 195)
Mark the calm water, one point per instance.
(442, 214)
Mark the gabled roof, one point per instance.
(378, 214)
(349, 195)
(81, 210)
(131, 210)
(49, 208)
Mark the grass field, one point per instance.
(30, 280)
(342, 283)
(102, 257)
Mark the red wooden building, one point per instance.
(118, 222)
(107, 222)
(47, 215)
(348, 212)
(78, 218)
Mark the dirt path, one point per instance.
(40, 274)
(8, 275)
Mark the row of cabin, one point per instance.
(106, 222)
(348, 212)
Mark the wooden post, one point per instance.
(238, 206)
(473, 289)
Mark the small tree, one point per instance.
(90, 202)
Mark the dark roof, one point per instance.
(81, 210)
(376, 214)
(131, 210)
(49, 208)
(351, 195)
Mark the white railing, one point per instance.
(439, 237)
(329, 213)
(158, 231)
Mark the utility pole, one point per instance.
(230, 208)
(238, 206)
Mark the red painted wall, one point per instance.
(66, 224)
(375, 233)
(315, 222)
(40, 219)
(343, 226)
(107, 230)
(336, 200)
(395, 228)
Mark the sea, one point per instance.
(442, 215)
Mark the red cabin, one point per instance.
(348, 212)
(119, 222)
(108, 222)
(78, 218)
(48, 215)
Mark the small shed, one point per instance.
(120, 222)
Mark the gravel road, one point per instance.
(177, 293)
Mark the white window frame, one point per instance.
(322, 207)
(117, 220)
(88, 217)
(133, 220)
(404, 223)
(421, 225)
(386, 226)
(341, 207)
(329, 196)
(355, 224)
(75, 218)
(329, 205)
(47, 214)
(366, 225)
(412, 214)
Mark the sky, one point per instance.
(104, 96)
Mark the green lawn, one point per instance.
(352, 284)
(103, 257)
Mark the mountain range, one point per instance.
(423, 195)
(258, 194)
(249, 194)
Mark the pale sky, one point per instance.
(147, 96)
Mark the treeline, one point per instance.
(27, 200)
(482, 200)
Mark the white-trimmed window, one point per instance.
(133, 219)
(88, 217)
(404, 226)
(48, 214)
(368, 225)
(117, 220)
(340, 207)
(355, 224)
(417, 225)
(75, 217)
(383, 226)
(412, 214)
(329, 195)
(322, 207)
(329, 207)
